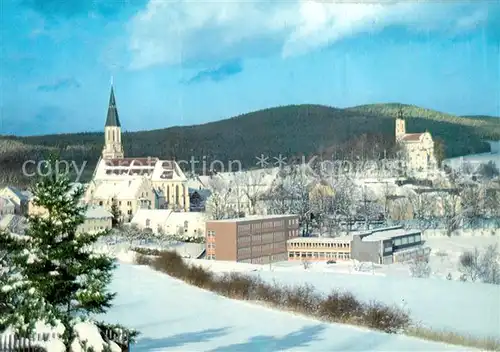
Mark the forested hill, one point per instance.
(288, 130)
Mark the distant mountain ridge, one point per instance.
(287, 130)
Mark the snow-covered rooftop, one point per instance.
(388, 234)
(122, 189)
(97, 213)
(256, 217)
(341, 239)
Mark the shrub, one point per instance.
(142, 259)
(235, 285)
(198, 276)
(147, 251)
(340, 307)
(336, 307)
(302, 298)
(385, 318)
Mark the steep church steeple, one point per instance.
(112, 119)
(113, 148)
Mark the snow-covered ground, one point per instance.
(466, 308)
(173, 316)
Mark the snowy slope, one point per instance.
(173, 316)
(466, 308)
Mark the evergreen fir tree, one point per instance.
(63, 270)
(21, 306)
(115, 211)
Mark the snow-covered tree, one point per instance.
(57, 261)
(251, 184)
(422, 206)
(420, 268)
(130, 233)
(452, 215)
(21, 305)
(217, 205)
(115, 211)
(472, 203)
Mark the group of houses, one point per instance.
(155, 194)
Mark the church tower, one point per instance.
(400, 125)
(113, 148)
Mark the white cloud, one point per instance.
(172, 32)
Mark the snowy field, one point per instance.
(466, 308)
(173, 316)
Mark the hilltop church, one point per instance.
(134, 183)
(418, 148)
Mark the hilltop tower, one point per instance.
(113, 148)
(400, 125)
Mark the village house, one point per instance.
(128, 195)
(170, 222)
(97, 219)
(6, 206)
(18, 197)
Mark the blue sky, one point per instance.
(185, 62)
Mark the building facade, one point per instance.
(6, 206)
(254, 239)
(418, 148)
(19, 198)
(169, 222)
(380, 246)
(319, 248)
(388, 245)
(97, 219)
(165, 176)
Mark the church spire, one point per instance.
(400, 113)
(112, 120)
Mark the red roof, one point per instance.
(127, 162)
(412, 137)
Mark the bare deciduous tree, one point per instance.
(420, 268)
(422, 207)
(251, 184)
(469, 265)
(217, 205)
(452, 215)
(472, 203)
(489, 264)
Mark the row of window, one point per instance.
(333, 245)
(256, 250)
(211, 245)
(318, 255)
(293, 222)
(281, 257)
(211, 256)
(210, 233)
(407, 240)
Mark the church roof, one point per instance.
(112, 120)
(412, 137)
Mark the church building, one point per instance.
(418, 148)
(134, 183)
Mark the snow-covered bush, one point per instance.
(420, 268)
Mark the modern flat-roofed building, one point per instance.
(388, 245)
(252, 239)
(319, 248)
